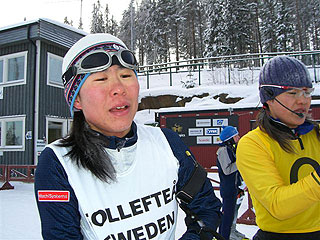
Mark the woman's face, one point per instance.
(297, 104)
(109, 100)
(236, 138)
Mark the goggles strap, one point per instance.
(77, 91)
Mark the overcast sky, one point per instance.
(15, 11)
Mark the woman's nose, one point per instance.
(117, 86)
(118, 90)
(303, 99)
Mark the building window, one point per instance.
(55, 131)
(12, 133)
(54, 72)
(16, 69)
(13, 68)
(56, 128)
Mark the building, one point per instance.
(33, 111)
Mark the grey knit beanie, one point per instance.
(282, 71)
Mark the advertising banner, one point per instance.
(200, 130)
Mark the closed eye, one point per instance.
(126, 75)
(100, 79)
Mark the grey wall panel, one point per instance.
(51, 99)
(14, 48)
(18, 100)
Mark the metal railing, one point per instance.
(227, 64)
(24, 173)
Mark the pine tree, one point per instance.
(285, 26)
(314, 29)
(144, 31)
(256, 37)
(299, 25)
(80, 24)
(239, 25)
(187, 34)
(215, 34)
(106, 19)
(175, 25)
(97, 23)
(113, 27)
(127, 26)
(147, 45)
(66, 21)
(202, 25)
(268, 25)
(162, 31)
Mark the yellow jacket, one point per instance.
(284, 187)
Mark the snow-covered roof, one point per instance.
(63, 25)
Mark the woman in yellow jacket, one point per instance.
(280, 159)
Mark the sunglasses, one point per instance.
(100, 60)
(294, 91)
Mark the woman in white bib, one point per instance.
(110, 178)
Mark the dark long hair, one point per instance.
(87, 149)
(282, 134)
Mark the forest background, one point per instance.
(162, 31)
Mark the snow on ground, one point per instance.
(19, 218)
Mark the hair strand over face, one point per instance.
(87, 150)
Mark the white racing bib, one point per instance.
(141, 203)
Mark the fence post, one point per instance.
(170, 77)
(6, 185)
(248, 217)
(229, 77)
(314, 68)
(199, 75)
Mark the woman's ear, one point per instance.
(77, 103)
(269, 102)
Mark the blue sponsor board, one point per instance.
(220, 122)
(212, 131)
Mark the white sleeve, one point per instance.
(227, 166)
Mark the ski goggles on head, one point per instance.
(100, 60)
(294, 91)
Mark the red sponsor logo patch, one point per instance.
(53, 196)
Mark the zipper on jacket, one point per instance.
(297, 136)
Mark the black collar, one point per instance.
(113, 142)
(302, 129)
